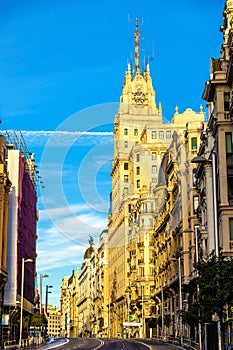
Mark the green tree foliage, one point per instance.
(37, 320)
(215, 283)
(191, 315)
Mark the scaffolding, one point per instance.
(15, 140)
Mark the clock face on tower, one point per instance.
(139, 97)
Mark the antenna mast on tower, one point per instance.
(136, 52)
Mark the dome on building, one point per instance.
(88, 252)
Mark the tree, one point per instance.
(214, 295)
(215, 283)
(37, 320)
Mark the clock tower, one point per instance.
(137, 89)
(132, 173)
(140, 142)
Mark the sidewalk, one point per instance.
(156, 345)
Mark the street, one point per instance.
(106, 344)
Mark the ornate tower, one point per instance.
(137, 124)
(140, 142)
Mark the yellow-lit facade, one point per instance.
(161, 219)
(100, 289)
(54, 321)
(65, 313)
(140, 141)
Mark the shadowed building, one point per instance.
(5, 185)
(22, 233)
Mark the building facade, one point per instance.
(5, 185)
(141, 139)
(217, 144)
(100, 294)
(65, 313)
(22, 226)
(54, 321)
(85, 293)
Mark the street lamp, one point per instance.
(197, 260)
(22, 290)
(41, 281)
(143, 329)
(46, 299)
(177, 258)
(46, 305)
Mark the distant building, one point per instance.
(100, 294)
(85, 294)
(65, 313)
(54, 321)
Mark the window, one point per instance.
(144, 208)
(226, 101)
(138, 170)
(154, 169)
(161, 134)
(153, 134)
(138, 183)
(137, 157)
(141, 271)
(228, 137)
(194, 177)
(231, 229)
(168, 134)
(154, 156)
(154, 179)
(193, 143)
(126, 166)
(195, 204)
(152, 271)
(126, 144)
(135, 132)
(125, 131)
(230, 183)
(126, 178)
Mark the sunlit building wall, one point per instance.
(141, 138)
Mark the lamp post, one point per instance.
(46, 297)
(46, 305)
(41, 282)
(212, 161)
(177, 258)
(22, 291)
(197, 260)
(180, 299)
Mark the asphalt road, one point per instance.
(106, 344)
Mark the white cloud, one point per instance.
(63, 240)
(60, 138)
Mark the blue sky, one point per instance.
(62, 68)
